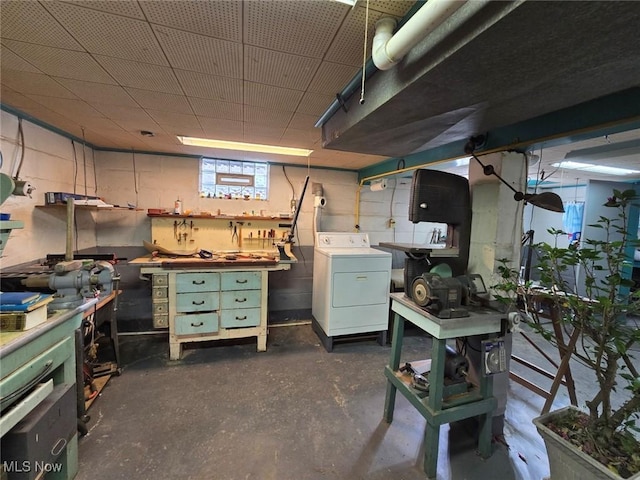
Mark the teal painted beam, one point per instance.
(603, 116)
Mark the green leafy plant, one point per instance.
(590, 287)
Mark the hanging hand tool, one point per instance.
(251, 238)
(235, 235)
(264, 237)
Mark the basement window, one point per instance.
(234, 179)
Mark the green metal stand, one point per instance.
(437, 408)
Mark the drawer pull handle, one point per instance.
(59, 446)
(198, 282)
(241, 300)
(198, 303)
(197, 324)
(242, 281)
(241, 318)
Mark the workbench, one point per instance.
(209, 299)
(439, 406)
(34, 363)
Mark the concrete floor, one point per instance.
(294, 412)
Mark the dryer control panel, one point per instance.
(342, 240)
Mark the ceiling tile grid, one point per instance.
(125, 8)
(266, 116)
(331, 78)
(140, 75)
(313, 103)
(98, 92)
(34, 84)
(278, 69)
(30, 22)
(223, 89)
(190, 51)
(169, 119)
(219, 19)
(107, 34)
(11, 61)
(60, 63)
(267, 96)
(293, 27)
(206, 107)
(167, 102)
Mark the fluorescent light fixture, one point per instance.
(351, 3)
(245, 147)
(587, 167)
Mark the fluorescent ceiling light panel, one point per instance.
(351, 3)
(595, 168)
(244, 147)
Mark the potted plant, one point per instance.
(604, 438)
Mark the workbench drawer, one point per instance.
(160, 292)
(160, 280)
(197, 302)
(241, 280)
(242, 317)
(197, 324)
(160, 308)
(240, 299)
(197, 282)
(160, 321)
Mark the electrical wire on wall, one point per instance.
(84, 163)
(75, 166)
(392, 223)
(22, 148)
(95, 174)
(135, 174)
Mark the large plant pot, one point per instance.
(566, 461)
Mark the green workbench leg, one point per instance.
(394, 364)
(486, 420)
(436, 392)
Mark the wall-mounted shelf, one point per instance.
(221, 217)
(87, 207)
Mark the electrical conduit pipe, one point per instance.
(388, 49)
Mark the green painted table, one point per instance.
(436, 407)
(31, 363)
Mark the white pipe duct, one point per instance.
(389, 49)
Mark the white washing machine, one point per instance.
(350, 287)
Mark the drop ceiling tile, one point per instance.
(183, 128)
(107, 34)
(165, 119)
(98, 92)
(34, 84)
(315, 103)
(267, 135)
(303, 122)
(125, 8)
(261, 95)
(266, 116)
(59, 62)
(331, 78)
(219, 19)
(122, 113)
(198, 53)
(212, 108)
(78, 110)
(396, 8)
(222, 129)
(293, 27)
(11, 61)
(161, 101)
(140, 75)
(279, 69)
(293, 137)
(135, 126)
(199, 85)
(29, 21)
